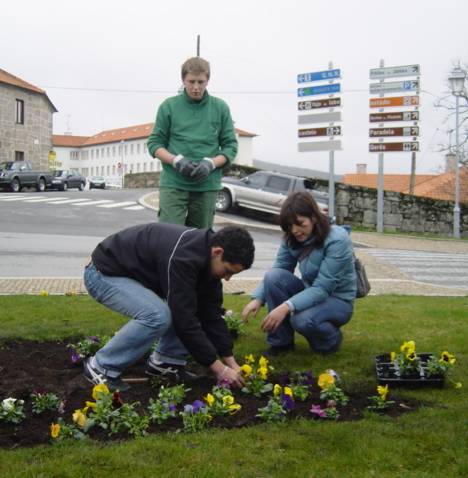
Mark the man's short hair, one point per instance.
(196, 66)
(238, 245)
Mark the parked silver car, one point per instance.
(265, 191)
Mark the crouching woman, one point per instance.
(321, 301)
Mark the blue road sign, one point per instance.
(319, 90)
(318, 76)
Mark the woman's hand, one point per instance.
(274, 319)
(251, 308)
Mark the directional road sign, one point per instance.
(382, 147)
(394, 101)
(318, 76)
(319, 90)
(397, 116)
(393, 86)
(394, 71)
(404, 131)
(319, 117)
(333, 145)
(314, 104)
(329, 131)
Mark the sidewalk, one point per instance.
(384, 278)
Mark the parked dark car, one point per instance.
(265, 191)
(97, 182)
(64, 179)
(16, 174)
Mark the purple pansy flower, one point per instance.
(197, 406)
(307, 378)
(95, 339)
(172, 408)
(318, 411)
(288, 402)
(75, 357)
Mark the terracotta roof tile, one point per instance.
(13, 80)
(440, 186)
(392, 182)
(68, 140)
(139, 131)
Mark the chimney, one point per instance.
(361, 168)
(450, 162)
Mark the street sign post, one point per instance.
(403, 131)
(320, 117)
(319, 90)
(333, 145)
(393, 87)
(394, 147)
(315, 104)
(394, 101)
(311, 132)
(394, 71)
(397, 116)
(318, 76)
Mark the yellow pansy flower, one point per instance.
(246, 370)
(54, 430)
(43, 293)
(90, 405)
(98, 389)
(458, 385)
(411, 357)
(262, 373)
(249, 358)
(392, 356)
(209, 399)
(79, 418)
(288, 391)
(446, 357)
(234, 408)
(325, 381)
(382, 391)
(228, 400)
(408, 347)
(262, 362)
(277, 390)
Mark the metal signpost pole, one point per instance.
(331, 177)
(380, 179)
(456, 208)
(122, 162)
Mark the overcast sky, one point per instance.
(109, 64)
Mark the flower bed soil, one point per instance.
(27, 366)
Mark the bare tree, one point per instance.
(447, 102)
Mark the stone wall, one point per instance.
(34, 137)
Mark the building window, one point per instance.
(108, 151)
(108, 170)
(113, 170)
(102, 170)
(151, 166)
(19, 155)
(138, 168)
(113, 151)
(144, 167)
(97, 153)
(19, 118)
(138, 148)
(145, 147)
(125, 150)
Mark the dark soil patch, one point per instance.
(27, 366)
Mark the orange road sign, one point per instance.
(394, 101)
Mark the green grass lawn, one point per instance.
(432, 442)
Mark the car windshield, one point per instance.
(7, 166)
(98, 178)
(59, 173)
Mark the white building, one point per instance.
(123, 150)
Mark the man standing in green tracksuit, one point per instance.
(194, 138)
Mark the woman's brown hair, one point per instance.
(303, 204)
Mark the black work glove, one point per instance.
(203, 169)
(183, 166)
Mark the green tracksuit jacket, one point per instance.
(195, 129)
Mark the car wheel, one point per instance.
(65, 187)
(15, 185)
(81, 186)
(223, 201)
(41, 185)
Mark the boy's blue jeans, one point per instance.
(319, 324)
(150, 320)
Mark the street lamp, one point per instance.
(457, 85)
